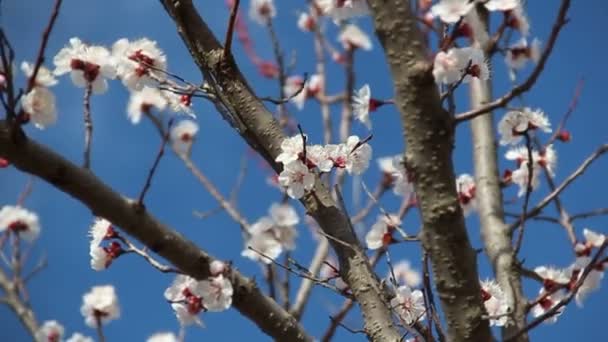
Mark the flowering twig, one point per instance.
(571, 107)
(159, 155)
(559, 23)
(131, 248)
(88, 125)
(44, 41)
(574, 175)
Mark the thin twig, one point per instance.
(131, 248)
(530, 166)
(88, 125)
(230, 31)
(152, 171)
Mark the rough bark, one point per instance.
(31, 157)
(428, 130)
(262, 132)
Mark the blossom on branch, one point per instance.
(139, 63)
(19, 221)
(520, 53)
(516, 123)
(405, 274)
(262, 11)
(182, 136)
(409, 305)
(340, 10)
(460, 63)
(44, 77)
(450, 11)
(87, 65)
(78, 337)
(502, 5)
(50, 331)
(163, 337)
(465, 186)
(495, 303)
(353, 38)
(296, 178)
(39, 107)
(100, 305)
(142, 101)
(381, 233)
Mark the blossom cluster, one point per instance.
(270, 235)
(20, 221)
(53, 331)
(102, 256)
(189, 297)
(301, 160)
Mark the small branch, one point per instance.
(272, 293)
(88, 126)
(17, 305)
(27, 190)
(578, 172)
(530, 166)
(99, 329)
(559, 23)
(571, 107)
(159, 155)
(229, 32)
(588, 214)
(131, 248)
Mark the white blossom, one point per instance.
(291, 148)
(185, 296)
(381, 233)
(163, 337)
(594, 239)
(284, 215)
(78, 337)
(501, 5)
(352, 37)
(465, 186)
(521, 177)
(319, 156)
(99, 230)
(271, 235)
(44, 77)
(178, 103)
(100, 259)
(403, 186)
(405, 274)
(39, 105)
(20, 221)
(182, 136)
(495, 303)
(359, 155)
(142, 101)
(547, 303)
(296, 178)
(520, 53)
(217, 267)
(449, 67)
(518, 20)
(261, 11)
(516, 123)
(409, 305)
(360, 103)
(340, 10)
(306, 22)
(87, 64)
(100, 305)
(264, 243)
(216, 293)
(450, 11)
(50, 331)
(295, 90)
(139, 63)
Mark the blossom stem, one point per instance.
(99, 329)
(88, 126)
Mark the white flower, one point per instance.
(87, 64)
(450, 11)
(178, 102)
(163, 337)
(473, 28)
(182, 135)
(385, 164)
(553, 274)
(99, 230)
(405, 274)
(270, 235)
(143, 100)
(44, 77)
(593, 239)
(138, 62)
(100, 259)
(409, 305)
(465, 186)
(19, 221)
(518, 20)
(521, 177)
(343, 9)
(261, 11)
(591, 284)
(291, 148)
(352, 37)
(360, 103)
(501, 5)
(296, 85)
(39, 105)
(284, 215)
(495, 303)
(450, 66)
(264, 243)
(296, 178)
(216, 293)
(359, 155)
(319, 156)
(50, 331)
(520, 53)
(403, 186)
(330, 270)
(306, 22)
(78, 337)
(381, 233)
(547, 303)
(516, 123)
(217, 267)
(100, 305)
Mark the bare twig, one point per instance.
(159, 155)
(88, 126)
(229, 32)
(530, 166)
(131, 248)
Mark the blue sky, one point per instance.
(123, 153)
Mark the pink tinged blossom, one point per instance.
(405, 274)
(216, 293)
(465, 186)
(217, 268)
(262, 243)
(87, 65)
(450, 11)
(340, 10)
(472, 28)
(318, 156)
(291, 149)
(100, 305)
(50, 331)
(78, 337)
(593, 239)
(591, 284)
(516, 123)
(547, 303)
(39, 107)
(102, 257)
(182, 136)
(352, 38)
(178, 103)
(283, 215)
(522, 177)
(100, 230)
(359, 155)
(409, 305)
(186, 297)
(403, 184)
(262, 11)
(361, 105)
(306, 22)
(516, 18)
(44, 77)
(139, 63)
(381, 233)
(546, 159)
(19, 221)
(143, 101)
(296, 178)
(163, 337)
(495, 303)
(330, 270)
(520, 53)
(388, 169)
(469, 62)
(502, 5)
(271, 235)
(295, 88)
(552, 277)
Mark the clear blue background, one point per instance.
(123, 153)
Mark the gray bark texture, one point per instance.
(428, 131)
